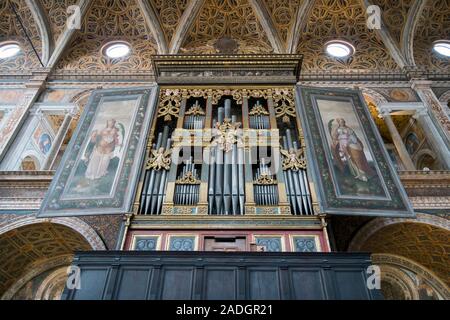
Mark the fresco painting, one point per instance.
(353, 164)
(97, 168)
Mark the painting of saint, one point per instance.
(353, 163)
(103, 151)
(412, 143)
(348, 150)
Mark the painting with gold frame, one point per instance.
(98, 173)
(348, 162)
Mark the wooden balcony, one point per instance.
(170, 275)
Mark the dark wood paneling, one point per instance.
(93, 283)
(307, 284)
(221, 276)
(263, 284)
(177, 283)
(133, 283)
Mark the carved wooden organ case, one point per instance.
(225, 152)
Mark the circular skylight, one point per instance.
(8, 50)
(117, 50)
(442, 47)
(339, 48)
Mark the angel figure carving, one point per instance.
(293, 159)
(227, 134)
(348, 151)
(159, 159)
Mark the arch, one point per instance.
(79, 99)
(377, 224)
(409, 275)
(75, 224)
(397, 278)
(375, 97)
(419, 156)
(445, 97)
(30, 163)
(53, 285)
(423, 240)
(34, 270)
(409, 31)
(33, 248)
(45, 33)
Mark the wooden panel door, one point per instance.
(230, 244)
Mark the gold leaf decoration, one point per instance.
(293, 160)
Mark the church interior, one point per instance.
(168, 147)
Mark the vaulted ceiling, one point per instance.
(225, 26)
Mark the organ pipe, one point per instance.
(156, 178)
(226, 173)
(297, 186)
(265, 186)
(187, 188)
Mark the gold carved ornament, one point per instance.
(282, 13)
(265, 180)
(169, 104)
(170, 13)
(293, 159)
(284, 104)
(195, 110)
(226, 135)
(188, 178)
(258, 110)
(159, 159)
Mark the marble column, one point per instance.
(436, 111)
(397, 139)
(58, 141)
(433, 137)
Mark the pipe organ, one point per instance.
(225, 152)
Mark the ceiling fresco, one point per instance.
(346, 20)
(225, 26)
(109, 20)
(169, 13)
(10, 30)
(395, 15)
(434, 24)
